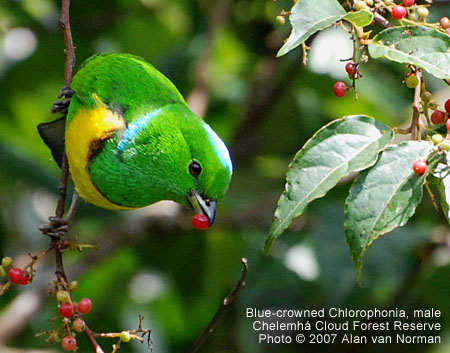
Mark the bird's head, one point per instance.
(208, 169)
(174, 155)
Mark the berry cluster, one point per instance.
(68, 309)
(340, 88)
(16, 275)
(438, 117)
(407, 9)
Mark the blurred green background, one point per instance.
(221, 56)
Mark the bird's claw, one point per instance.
(65, 92)
(62, 106)
(55, 228)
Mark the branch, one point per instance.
(416, 107)
(226, 302)
(58, 225)
(381, 20)
(64, 23)
(90, 336)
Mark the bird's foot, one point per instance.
(62, 106)
(65, 92)
(56, 227)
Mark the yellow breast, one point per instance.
(87, 128)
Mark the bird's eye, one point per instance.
(195, 169)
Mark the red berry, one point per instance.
(340, 89)
(408, 3)
(420, 167)
(85, 305)
(398, 12)
(69, 343)
(200, 221)
(66, 309)
(438, 117)
(447, 106)
(16, 275)
(25, 280)
(351, 69)
(445, 22)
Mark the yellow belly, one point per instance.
(87, 127)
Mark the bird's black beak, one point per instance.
(203, 205)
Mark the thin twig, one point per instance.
(355, 59)
(59, 270)
(416, 107)
(62, 188)
(403, 131)
(226, 302)
(432, 197)
(381, 20)
(73, 207)
(64, 22)
(90, 336)
(305, 49)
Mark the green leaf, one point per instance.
(360, 18)
(343, 146)
(309, 16)
(385, 196)
(441, 179)
(424, 47)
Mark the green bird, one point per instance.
(131, 140)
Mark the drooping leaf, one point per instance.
(360, 18)
(309, 16)
(385, 196)
(424, 47)
(441, 179)
(343, 146)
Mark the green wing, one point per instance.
(125, 83)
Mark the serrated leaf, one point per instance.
(385, 196)
(343, 146)
(360, 18)
(441, 179)
(424, 47)
(309, 16)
